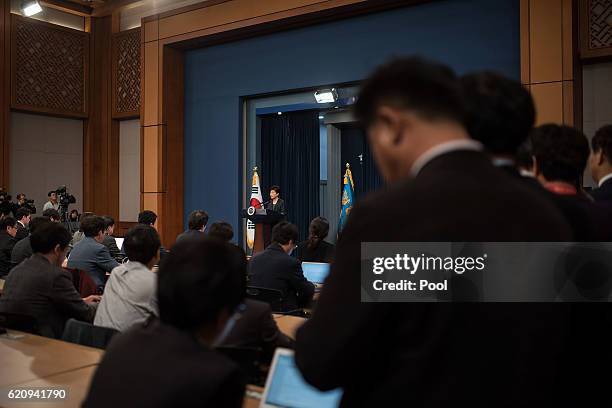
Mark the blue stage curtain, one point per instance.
(366, 177)
(290, 159)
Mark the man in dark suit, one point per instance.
(23, 220)
(197, 224)
(109, 239)
(601, 164)
(442, 188)
(89, 254)
(23, 249)
(171, 362)
(275, 269)
(40, 288)
(8, 230)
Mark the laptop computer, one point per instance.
(119, 242)
(315, 272)
(285, 386)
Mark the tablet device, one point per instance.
(315, 272)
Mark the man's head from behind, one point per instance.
(560, 153)
(222, 231)
(93, 227)
(38, 222)
(147, 217)
(198, 220)
(53, 214)
(141, 244)
(285, 234)
(408, 106)
(200, 284)
(51, 240)
(500, 111)
(601, 159)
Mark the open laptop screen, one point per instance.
(287, 388)
(119, 242)
(315, 272)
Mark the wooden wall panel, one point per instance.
(545, 38)
(153, 166)
(49, 68)
(126, 74)
(151, 84)
(548, 99)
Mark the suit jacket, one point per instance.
(274, 269)
(21, 251)
(187, 234)
(22, 231)
(113, 249)
(37, 288)
(257, 328)
(6, 247)
(438, 354)
(603, 193)
(166, 367)
(92, 257)
(324, 252)
(279, 207)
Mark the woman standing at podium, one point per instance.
(276, 203)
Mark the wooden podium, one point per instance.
(264, 220)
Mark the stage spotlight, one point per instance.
(30, 7)
(326, 95)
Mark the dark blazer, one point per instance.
(37, 288)
(279, 207)
(323, 252)
(92, 257)
(6, 247)
(22, 231)
(114, 251)
(442, 354)
(187, 234)
(21, 251)
(257, 328)
(166, 367)
(603, 193)
(274, 269)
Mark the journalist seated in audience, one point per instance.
(171, 362)
(89, 254)
(8, 230)
(23, 249)
(221, 230)
(53, 214)
(109, 240)
(601, 164)
(197, 224)
(315, 248)
(275, 269)
(23, 216)
(79, 235)
(40, 288)
(148, 217)
(129, 294)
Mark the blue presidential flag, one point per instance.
(347, 198)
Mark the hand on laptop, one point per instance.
(92, 299)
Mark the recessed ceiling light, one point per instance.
(30, 7)
(326, 95)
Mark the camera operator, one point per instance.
(23, 202)
(6, 206)
(52, 203)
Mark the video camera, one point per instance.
(64, 199)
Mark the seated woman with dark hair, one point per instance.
(315, 248)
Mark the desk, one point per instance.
(75, 382)
(34, 357)
(288, 324)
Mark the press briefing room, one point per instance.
(305, 203)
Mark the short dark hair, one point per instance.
(198, 280)
(51, 192)
(283, 232)
(22, 212)
(7, 222)
(602, 141)
(317, 231)
(500, 111)
(48, 236)
(84, 219)
(276, 189)
(198, 220)
(221, 230)
(141, 243)
(20, 195)
(52, 213)
(147, 217)
(428, 88)
(108, 221)
(37, 222)
(561, 152)
(92, 225)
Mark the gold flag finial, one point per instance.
(255, 168)
(348, 165)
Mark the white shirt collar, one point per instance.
(443, 148)
(22, 224)
(604, 179)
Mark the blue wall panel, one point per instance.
(466, 34)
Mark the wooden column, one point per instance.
(5, 90)
(548, 59)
